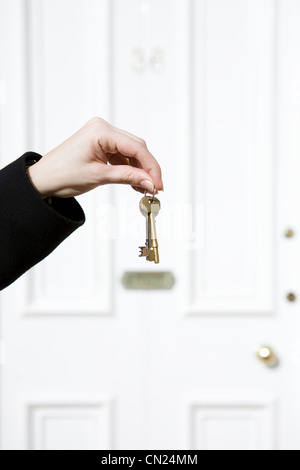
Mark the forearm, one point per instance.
(30, 228)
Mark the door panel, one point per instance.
(64, 93)
(233, 168)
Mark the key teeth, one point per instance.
(143, 251)
(150, 255)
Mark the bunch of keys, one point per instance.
(150, 207)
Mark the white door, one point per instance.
(213, 87)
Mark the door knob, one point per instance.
(267, 356)
(289, 233)
(291, 297)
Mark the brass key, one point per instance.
(150, 207)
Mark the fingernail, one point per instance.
(147, 185)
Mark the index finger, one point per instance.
(137, 149)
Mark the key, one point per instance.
(146, 210)
(150, 207)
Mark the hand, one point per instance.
(95, 155)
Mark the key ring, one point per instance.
(153, 193)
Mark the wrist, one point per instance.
(35, 180)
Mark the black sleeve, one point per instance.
(30, 228)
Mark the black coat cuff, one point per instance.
(30, 228)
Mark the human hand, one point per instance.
(95, 155)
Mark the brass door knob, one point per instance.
(267, 356)
(291, 297)
(289, 233)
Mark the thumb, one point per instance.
(126, 174)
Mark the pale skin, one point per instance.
(97, 154)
